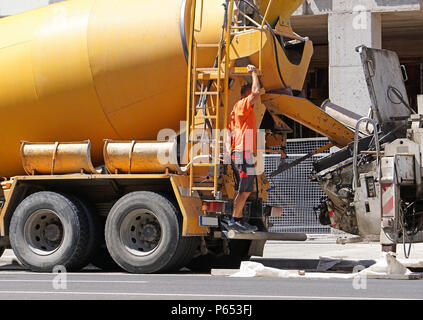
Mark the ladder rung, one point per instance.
(207, 45)
(242, 71)
(202, 188)
(204, 164)
(210, 76)
(209, 93)
(211, 142)
(206, 117)
(206, 69)
(206, 108)
(244, 28)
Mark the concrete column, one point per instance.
(347, 30)
(420, 103)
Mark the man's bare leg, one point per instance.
(239, 202)
(237, 214)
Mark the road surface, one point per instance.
(187, 286)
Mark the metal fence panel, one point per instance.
(294, 191)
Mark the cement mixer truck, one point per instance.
(112, 150)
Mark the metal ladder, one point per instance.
(216, 76)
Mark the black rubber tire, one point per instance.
(172, 251)
(97, 253)
(74, 247)
(238, 253)
(101, 257)
(95, 230)
(185, 250)
(2, 251)
(104, 261)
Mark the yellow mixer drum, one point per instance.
(86, 69)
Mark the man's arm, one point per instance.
(255, 87)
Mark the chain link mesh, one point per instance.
(293, 190)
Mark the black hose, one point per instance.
(399, 95)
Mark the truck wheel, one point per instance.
(104, 261)
(95, 231)
(143, 234)
(101, 257)
(47, 230)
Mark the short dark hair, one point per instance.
(245, 89)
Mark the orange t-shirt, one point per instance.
(243, 128)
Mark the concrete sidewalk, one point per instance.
(8, 261)
(317, 253)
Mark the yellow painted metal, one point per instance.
(144, 176)
(12, 195)
(293, 74)
(280, 8)
(190, 206)
(56, 158)
(209, 110)
(141, 156)
(8, 187)
(309, 115)
(265, 17)
(247, 44)
(86, 69)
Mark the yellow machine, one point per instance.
(111, 75)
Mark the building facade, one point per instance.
(337, 27)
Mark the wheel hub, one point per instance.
(52, 232)
(43, 232)
(149, 232)
(140, 232)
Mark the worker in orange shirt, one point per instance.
(243, 133)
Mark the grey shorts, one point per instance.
(244, 173)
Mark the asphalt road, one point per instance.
(19, 284)
(93, 285)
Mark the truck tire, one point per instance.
(101, 257)
(48, 230)
(143, 234)
(104, 261)
(95, 231)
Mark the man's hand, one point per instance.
(255, 88)
(251, 68)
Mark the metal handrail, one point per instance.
(201, 17)
(261, 34)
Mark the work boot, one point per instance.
(250, 226)
(241, 226)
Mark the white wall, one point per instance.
(9, 7)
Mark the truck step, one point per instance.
(231, 234)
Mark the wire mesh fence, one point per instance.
(293, 190)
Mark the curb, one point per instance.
(322, 264)
(10, 264)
